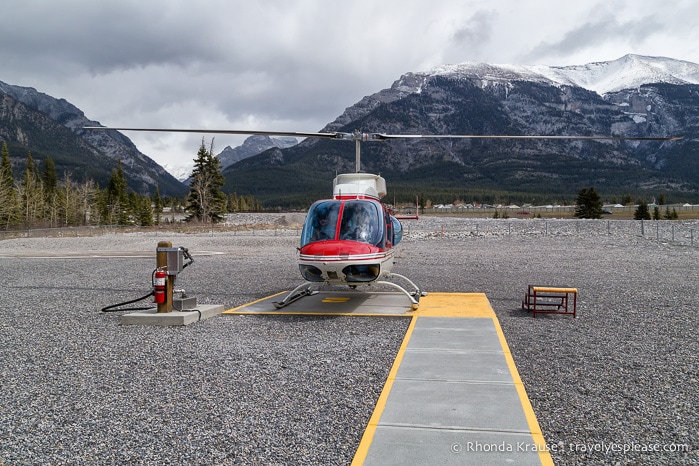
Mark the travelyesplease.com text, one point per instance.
(582, 447)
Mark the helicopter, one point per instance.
(350, 238)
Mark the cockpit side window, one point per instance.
(361, 222)
(321, 222)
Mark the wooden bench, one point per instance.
(550, 300)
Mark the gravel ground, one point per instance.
(77, 388)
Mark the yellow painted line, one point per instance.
(534, 427)
(236, 309)
(317, 314)
(368, 437)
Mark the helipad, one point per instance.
(453, 395)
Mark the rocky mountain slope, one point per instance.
(634, 96)
(253, 145)
(31, 121)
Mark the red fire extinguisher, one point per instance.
(159, 286)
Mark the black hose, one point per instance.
(111, 308)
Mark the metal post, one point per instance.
(161, 261)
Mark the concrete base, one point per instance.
(174, 318)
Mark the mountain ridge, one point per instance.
(626, 72)
(28, 116)
(491, 99)
(632, 96)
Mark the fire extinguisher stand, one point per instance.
(161, 263)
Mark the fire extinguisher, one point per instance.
(160, 286)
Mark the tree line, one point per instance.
(589, 205)
(38, 199)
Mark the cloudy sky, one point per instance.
(295, 65)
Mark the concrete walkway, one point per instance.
(453, 395)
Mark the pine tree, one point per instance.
(117, 198)
(157, 205)
(9, 202)
(588, 204)
(206, 202)
(641, 212)
(49, 181)
(31, 195)
(145, 211)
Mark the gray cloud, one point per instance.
(476, 31)
(599, 32)
(295, 64)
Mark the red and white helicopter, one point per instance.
(350, 238)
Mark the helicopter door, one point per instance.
(397, 230)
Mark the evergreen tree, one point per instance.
(206, 202)
(116, 205)
(9, 203)
(49, 177)
(157, 205)
(49, 181)
(642, 212)
(588, 204)
(145, 211)
(671, 215)
(31, 195)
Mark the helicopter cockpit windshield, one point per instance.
(321, 222)
(361, 220)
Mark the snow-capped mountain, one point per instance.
(632, 97)
(180, 172)
(627, 72)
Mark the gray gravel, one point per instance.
(77, 388)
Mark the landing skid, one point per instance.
(301, 291)
(306, 289)
(414, 296)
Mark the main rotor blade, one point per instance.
(380, 136)
(359, 136)
(230, 131)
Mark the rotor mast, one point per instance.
(358, 137)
